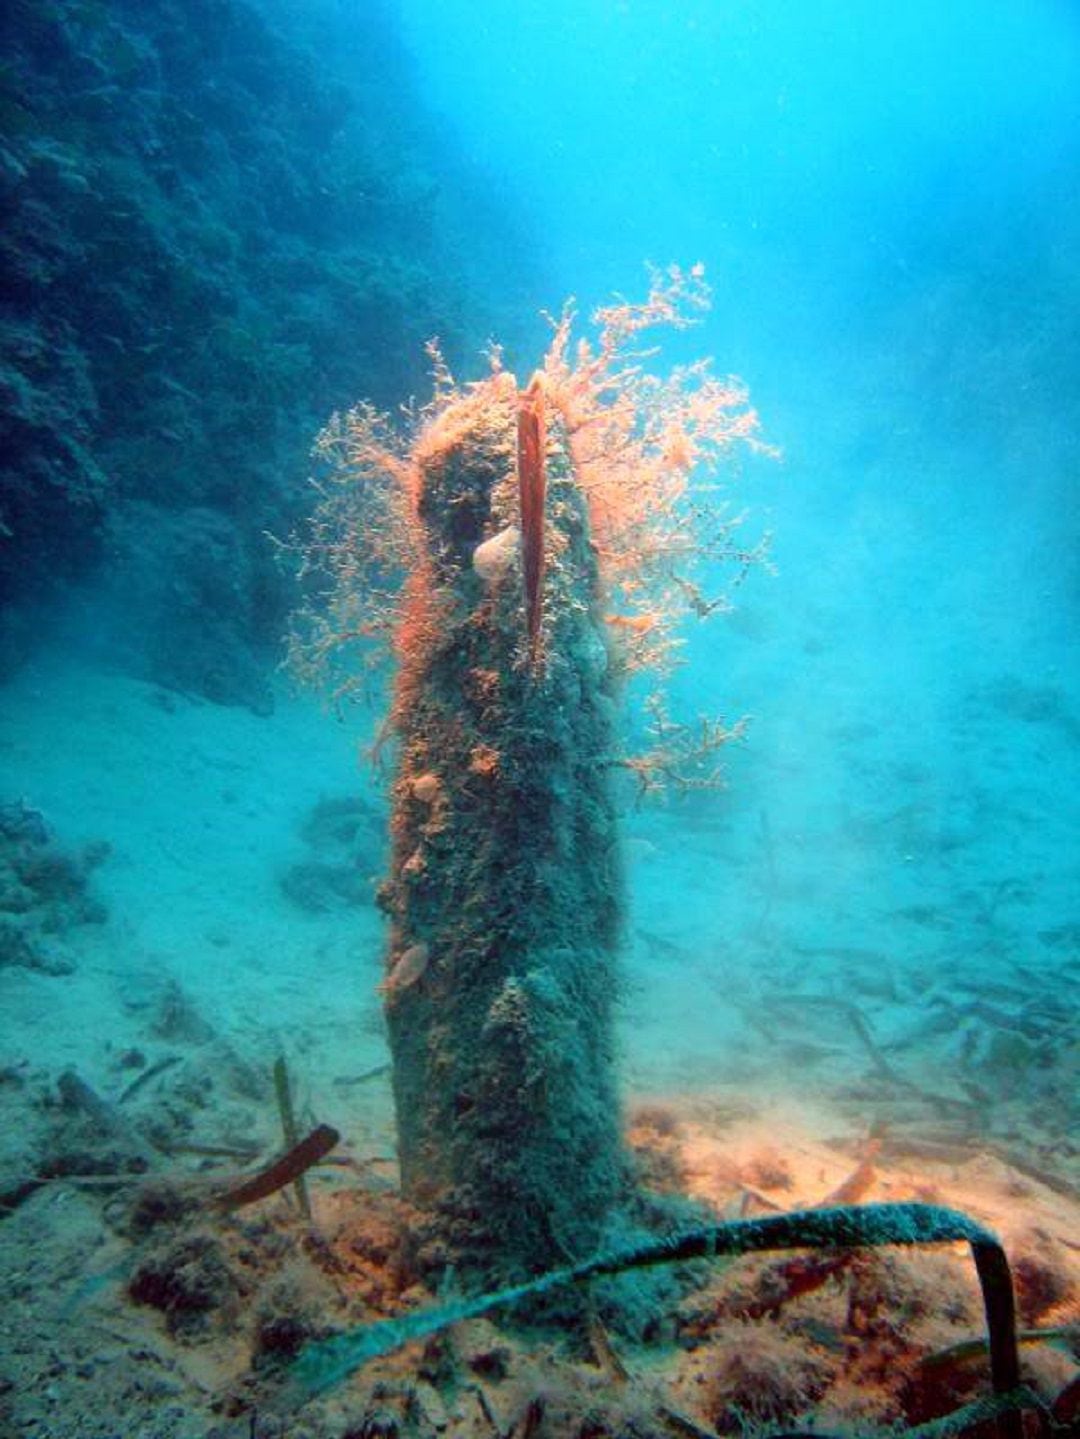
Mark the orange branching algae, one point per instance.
(644, 448)
(360, 544)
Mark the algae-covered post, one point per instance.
(505, 863)
(519, 552)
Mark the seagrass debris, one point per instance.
(346, 1081)
(1005, 1408)
(975, 1112)
(1058, 1334)
(142, 1079)
(283, 1093)
(953, 1425)
(947, 1149)
(268, 1180)
(328, 1363)
(80, 1097)
(287, 1169)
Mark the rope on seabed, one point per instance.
(323, 1365)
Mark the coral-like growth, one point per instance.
(680, 757)
(360, 544)
(644, 450)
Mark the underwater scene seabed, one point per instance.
(475, 1243)
(432, 1005)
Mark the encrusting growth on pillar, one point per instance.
(505, 866)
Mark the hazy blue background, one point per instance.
(886, 200)
(216, 230)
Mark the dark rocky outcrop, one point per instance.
(208, 243)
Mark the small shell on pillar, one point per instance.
(416, 863)
(492, 559)
(407, 969)
(426, 787)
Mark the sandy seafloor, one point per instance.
(827, 946)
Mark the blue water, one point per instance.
(875, 923)
(885, 201)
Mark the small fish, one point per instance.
(347, 1080)
(637, 624)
